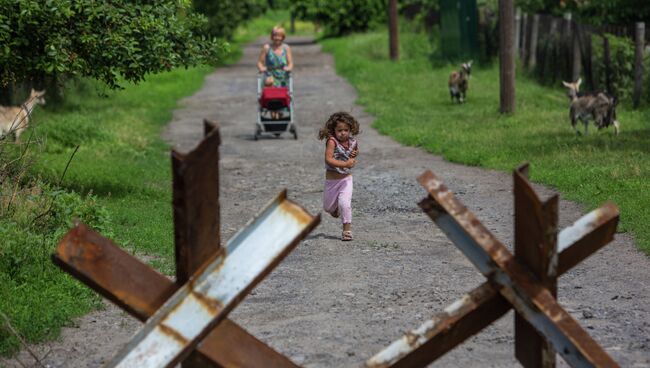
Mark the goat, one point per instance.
(599, 106)
(15, 119)
(459, 82)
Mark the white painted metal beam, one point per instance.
(182, 322)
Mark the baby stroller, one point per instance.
(275, 99)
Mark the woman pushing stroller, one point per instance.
(275, 60)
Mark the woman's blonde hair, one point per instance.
(338, 117)
(278, 30)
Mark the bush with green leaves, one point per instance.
(225, 16)
(422, 13)
(622, 64)
(340, 17)
(33, 291)
(104, 40)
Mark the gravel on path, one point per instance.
(333, 303)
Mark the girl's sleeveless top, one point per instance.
(275, 63)
(343, 154)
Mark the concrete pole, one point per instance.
(577, 55)
(534, 32)
(517, 29)
(639, 37)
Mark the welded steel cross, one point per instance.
(186, 319)
(525, 281)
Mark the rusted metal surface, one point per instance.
(196, 211)
(576, 242)
(181, 323)
(196, 203)
(536, 248)
(112, 272)
(472, 320)
(443, 332)
(516, 284)
(140, 290)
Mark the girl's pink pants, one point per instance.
(337, 198)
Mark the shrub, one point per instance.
(622, 64)
(225, 16)
(33, 291)
(340, 17)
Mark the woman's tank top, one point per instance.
(275, 63)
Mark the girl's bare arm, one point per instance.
(330, 160)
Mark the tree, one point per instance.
(596, 12)
(341, 17)
(601, 12)
(225, 16)
(99, 39)
(506, 56)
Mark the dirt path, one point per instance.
(332, 304)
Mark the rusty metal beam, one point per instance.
(197, 238)
(195, 178)
(590, 233)
(140, 290)
(536, 249)
(185, 319)
(433, 342)
(516, 284)
(443, 332)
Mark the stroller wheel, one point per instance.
(256, 134)
(294, 132)
(277, 134)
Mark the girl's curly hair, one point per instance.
(338, 117)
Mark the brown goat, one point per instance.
(597, 106)
(459, 82)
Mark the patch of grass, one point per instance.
(35, 295)
(411, 103)
(121, 158)
(119, 182)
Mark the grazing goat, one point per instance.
(15, 119)
(599, 106)
(459, 82)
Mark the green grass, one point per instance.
(411, 103)
(124, 163)
(119, 181)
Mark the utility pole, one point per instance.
(393, 41)
(507, 56)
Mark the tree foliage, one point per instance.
(104, 40)
(600, 12)
(596, 12)
(341, 17)
(225, 16)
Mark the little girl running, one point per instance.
(341, 151)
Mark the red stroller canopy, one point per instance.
(275, 98)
